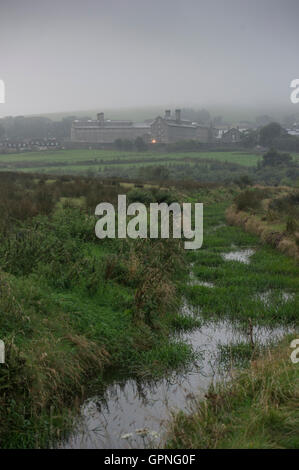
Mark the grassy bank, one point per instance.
(73, 307)
(258, 409)
(270, 213)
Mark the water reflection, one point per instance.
(243, 256)
(134, 414)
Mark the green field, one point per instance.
(222, 166)
(34, 161)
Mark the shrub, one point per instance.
(250, 199)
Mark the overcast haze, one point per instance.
(98, 54)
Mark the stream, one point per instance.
(133, 413)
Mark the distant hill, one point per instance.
(229, 113)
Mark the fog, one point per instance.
(63, 55)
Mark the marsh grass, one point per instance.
(257, 409)
(72, 307)
(236, 284)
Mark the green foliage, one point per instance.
(140, 195)
(274, 158)
(72, 306)
(250, 199)
(270, 132)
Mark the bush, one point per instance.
(140, 195)
(250, 199)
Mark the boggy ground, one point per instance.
(259, 407)
(257, 410)
(73, 308)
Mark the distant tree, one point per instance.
(2, 131)
(127, 144)
(118, 144)
(274, 158)
(140, 144)
(61, 130)
(249, 138)
(270, 132)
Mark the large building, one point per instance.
(165, 130)
(170, 130)
(103, 131)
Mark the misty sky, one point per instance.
(64, 55)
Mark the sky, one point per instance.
(64, 55)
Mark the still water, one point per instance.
(134, 414)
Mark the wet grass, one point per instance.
(258, 409)
(237, 284)
(69, 313)
(72, 308)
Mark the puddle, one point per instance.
(269, 298)
(134, 414)
(243, 256)
(194, 281)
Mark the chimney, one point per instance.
(177, 114)
(100, 118)
(167, 114)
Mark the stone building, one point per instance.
(168, 130)
(165, 130)
(232, 136)
(101, 131)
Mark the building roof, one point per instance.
(110, 124)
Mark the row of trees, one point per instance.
(35, 127)
(271, 135)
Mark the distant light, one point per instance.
(154, 141)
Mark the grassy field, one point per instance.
(36, 160)
(207, 167)
(73, 307)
